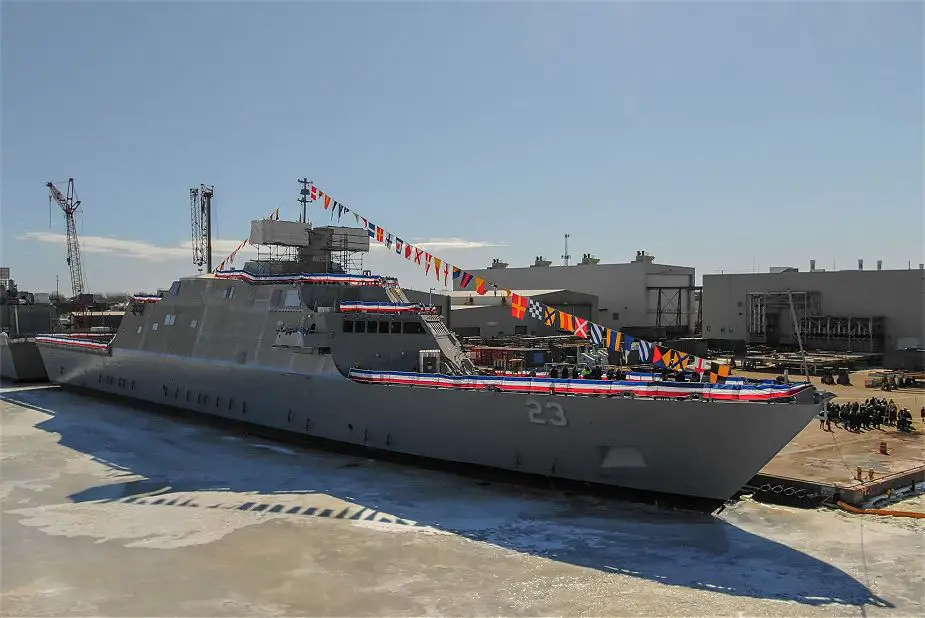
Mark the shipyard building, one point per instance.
(640, 297)
(875, 311)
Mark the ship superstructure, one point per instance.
(293, 341)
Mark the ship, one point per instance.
(298, 343)
(22, 316)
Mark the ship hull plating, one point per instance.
(701, 449)
(20, 360)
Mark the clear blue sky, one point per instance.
(723, 136)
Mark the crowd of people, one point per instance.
(869, 414)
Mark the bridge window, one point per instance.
(359, 327)
(384, 327)
(175, 288)
(348, 326)
(394, 327)
(292, 298)
(412, 328)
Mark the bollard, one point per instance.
(883, 450)
(860, 475)
(870, 475)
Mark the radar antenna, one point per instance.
(69, 205)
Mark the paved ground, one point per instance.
(833, 457)
(107, 510)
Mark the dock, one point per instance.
(819, 466)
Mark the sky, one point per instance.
(728, 136)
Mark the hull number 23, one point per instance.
(550, 413)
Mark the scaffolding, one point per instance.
(850, 334)
(805, 317)
(670, 311)
(763, 311)
(346, 256)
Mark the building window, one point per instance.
(616, 315)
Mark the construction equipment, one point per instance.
(201, 215)
(69, 204)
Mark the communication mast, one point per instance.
(69, 205)
(566, 256)
(200, 201)
(305, 198)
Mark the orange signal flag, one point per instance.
(480, 285)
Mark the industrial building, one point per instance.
(875, 311)
(489, 315)
(640, 296)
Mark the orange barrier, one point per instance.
(853, 509)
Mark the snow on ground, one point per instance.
(94, 474)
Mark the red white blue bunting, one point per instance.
(327, 279)
(736, 391)
(378, 307)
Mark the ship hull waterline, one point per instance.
(610, 441)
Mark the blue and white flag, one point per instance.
(645, 351)
(597, 334)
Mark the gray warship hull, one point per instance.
(707, 450)
(19, 357)
(20, 360)
(289, 351)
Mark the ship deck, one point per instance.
(825, 463)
